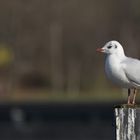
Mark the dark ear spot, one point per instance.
(109, 47)
(115, 46)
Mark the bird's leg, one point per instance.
(134, 96)
(129, 97)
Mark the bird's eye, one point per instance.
(109, 47)
(115, 46)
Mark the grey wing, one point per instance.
(132, 70)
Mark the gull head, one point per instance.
(112, 47)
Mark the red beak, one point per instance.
(100, 50)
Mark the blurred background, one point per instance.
(52, 80)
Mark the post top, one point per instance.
(127, 106)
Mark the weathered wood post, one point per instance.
(127, 122)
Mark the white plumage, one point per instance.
(120, 69)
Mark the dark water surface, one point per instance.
(54, 121)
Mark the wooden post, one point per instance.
(127, 122)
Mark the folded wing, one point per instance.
(132, 70)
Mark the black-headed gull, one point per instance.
(122, 70)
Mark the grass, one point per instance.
(101, 92)
(95, 95)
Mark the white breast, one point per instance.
(115, 72)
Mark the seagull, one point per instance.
(122, 70)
